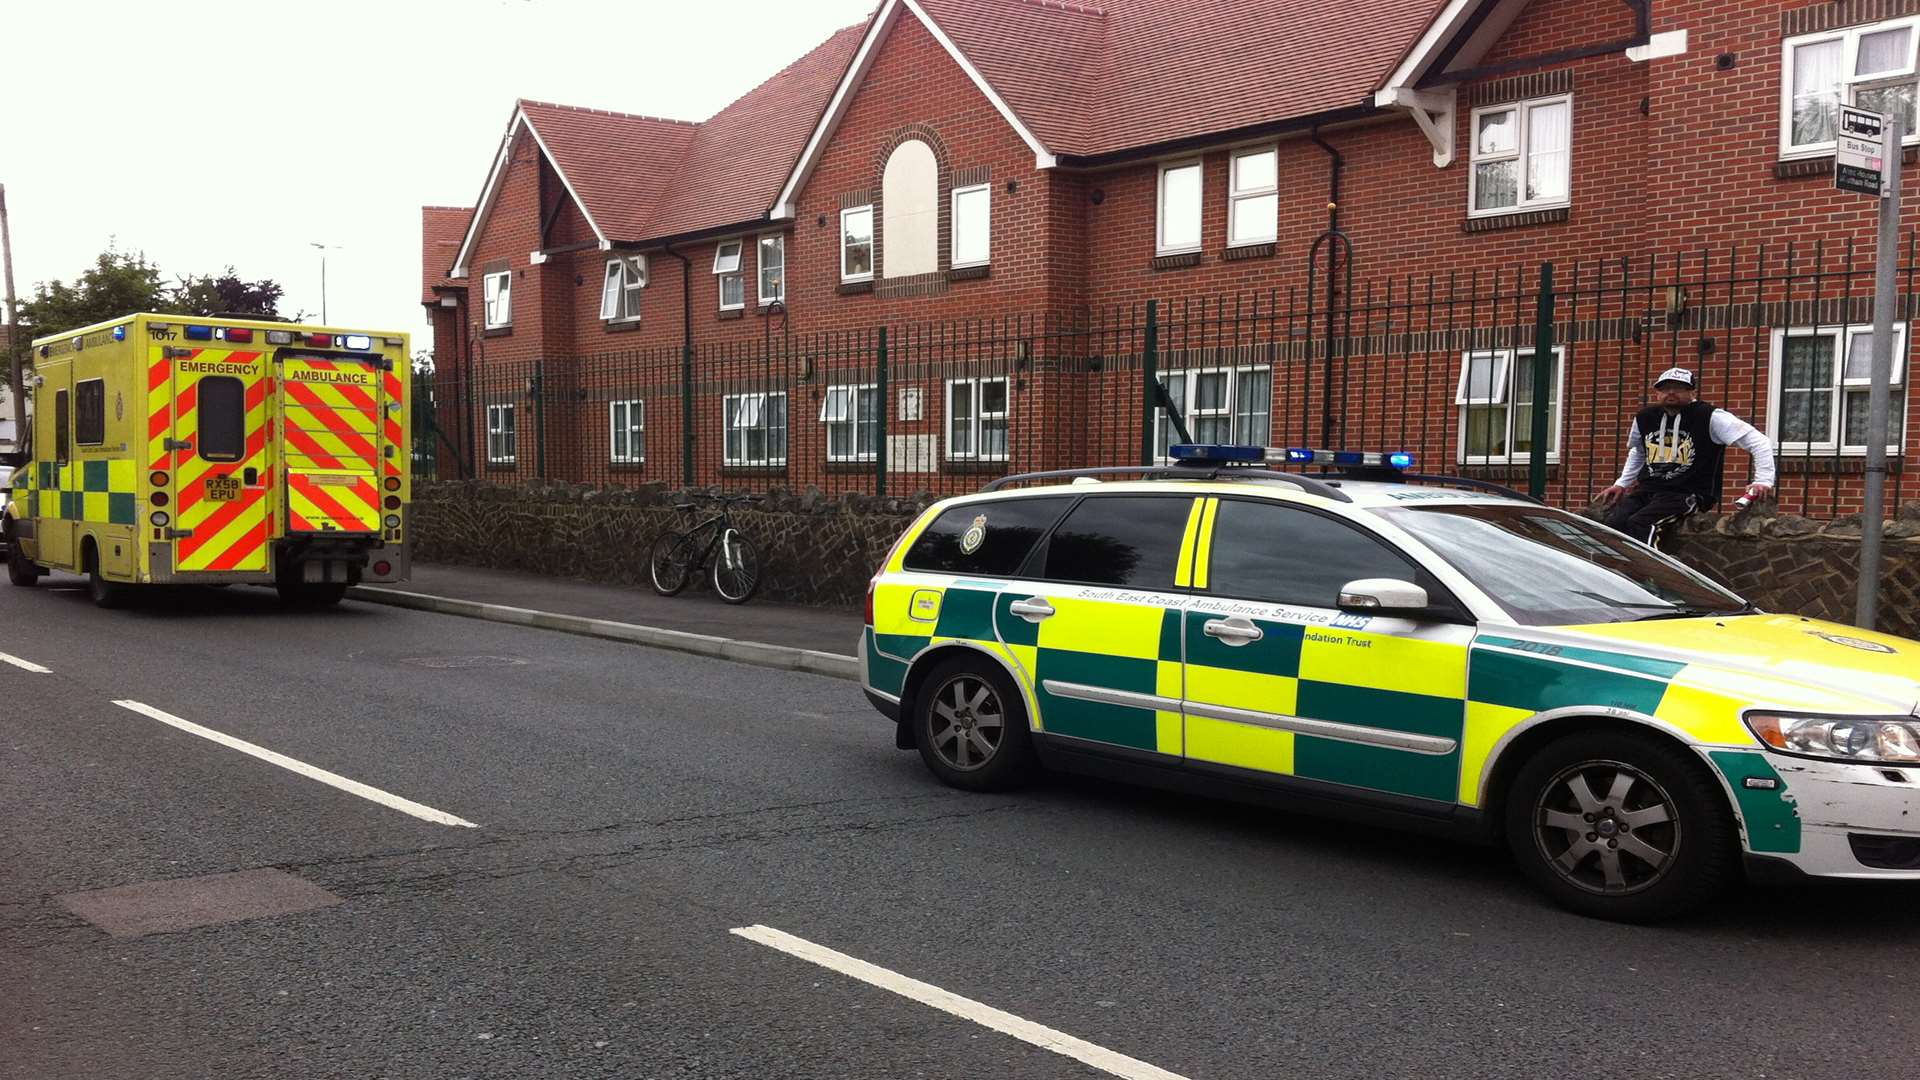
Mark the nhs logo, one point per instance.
(1344, 621)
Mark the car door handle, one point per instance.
(1032, 609)
(1233, 631)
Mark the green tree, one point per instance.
(225, 294)
(120, 283)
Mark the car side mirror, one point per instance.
(1383, 596)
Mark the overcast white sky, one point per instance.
(209, 132)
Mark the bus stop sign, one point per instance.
(1859, 160)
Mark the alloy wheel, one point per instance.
(1607, 828)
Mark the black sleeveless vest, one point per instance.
(1681, 454)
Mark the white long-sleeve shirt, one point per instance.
(1727, 430)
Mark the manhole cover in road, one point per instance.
(463, 661)
(154, 907)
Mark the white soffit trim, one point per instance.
(856, 73)
(1659, 47)
(484, 208)
(1452, 21)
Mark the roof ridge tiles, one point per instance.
(610, 112)
(1067, 5)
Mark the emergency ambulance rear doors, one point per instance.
(330, 414)
(208, 433)
(1280, 681)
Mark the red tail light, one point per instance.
(382, 569)
(871, 586)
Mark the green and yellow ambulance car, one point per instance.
(1421, 651)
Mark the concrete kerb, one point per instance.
(782, 657)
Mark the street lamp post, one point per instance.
(323, 276)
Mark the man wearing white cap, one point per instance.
(1674, 455)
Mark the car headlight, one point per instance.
(1863, 739)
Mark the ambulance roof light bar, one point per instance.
(1229, 454)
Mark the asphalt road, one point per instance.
(633, 807)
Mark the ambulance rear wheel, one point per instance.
(1620, 826)
(971, 727)
(105, 594)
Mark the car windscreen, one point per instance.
(1547, 567)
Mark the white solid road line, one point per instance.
(24, 665)
(352, 787)
(966, 1008)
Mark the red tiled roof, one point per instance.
(441, 230)
(618, 164)
(1133, 73)
(738, 161)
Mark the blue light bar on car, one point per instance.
(1398, 459)
(1230, 454)
(1200, 453)
(199, 333)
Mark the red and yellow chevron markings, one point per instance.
(223, 533)
(329, 425)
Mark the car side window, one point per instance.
(990, 539)
(1129, 541)
(1287, 555)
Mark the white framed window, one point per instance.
(756, 428)
(977, 419)
(499, 286)
(973, 225)
(1820, 380)
(1871, 67)
(1178, 228)
(773, 269)
(1495, 399)
(501, 448)
(620, 289)
(852, 416)
(1253, 197)
(1219, 405)
(1522, 156)
(856, 244)
(726, 267)
(627, 431)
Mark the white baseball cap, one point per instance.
(1681, 375)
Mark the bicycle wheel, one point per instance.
(736, 568)
(670, 563)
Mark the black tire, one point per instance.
(1645, 797)
(736, 567)
(670, 563)
(21, 570)
(105, 594)
(946, 741)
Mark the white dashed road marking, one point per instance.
(24, 665)
(352, 787)
(1046, 1038)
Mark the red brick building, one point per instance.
(1340, 211)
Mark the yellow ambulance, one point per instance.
(168, 449)
(1425, 652)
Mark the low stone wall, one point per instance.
(814, 550)
(1808, 567)
(820, 552)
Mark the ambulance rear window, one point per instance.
(223, 418)
(990, 539)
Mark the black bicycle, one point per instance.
(679, 553)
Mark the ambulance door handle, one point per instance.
(1233, 631)
(251, 476)
(1032, 609)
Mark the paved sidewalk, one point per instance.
(823, 630)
